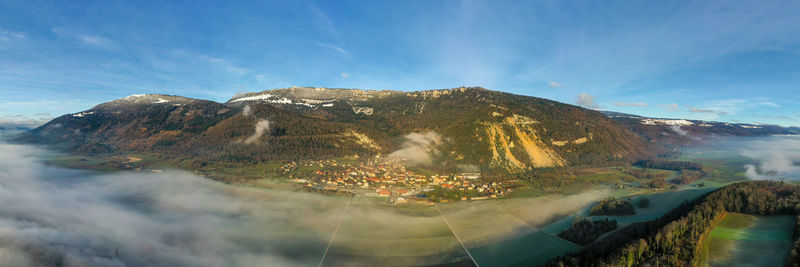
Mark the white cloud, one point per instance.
(344, 75)
(635, 104)
(418, 148)
(14, 121)
(777, 157)
(587, 101)
(175, 218)
(553, 84)
(262, 126)
(247, 111)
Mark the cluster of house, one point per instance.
(473, 188)
(372, 173)
(388, 178)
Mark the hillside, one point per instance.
(460, 128)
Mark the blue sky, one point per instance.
(736, 61)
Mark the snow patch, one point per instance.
(254, 98)
(81, 114)
(666, 122)
(134, 96)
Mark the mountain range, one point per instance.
(465, 128)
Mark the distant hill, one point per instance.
(680, 132)
(450, 128)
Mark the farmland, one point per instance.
(740, 236)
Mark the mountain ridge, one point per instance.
(466, 126)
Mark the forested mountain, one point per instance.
(492, 130)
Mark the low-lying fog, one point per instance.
(776, 157)
(53, 216)
(56, 216)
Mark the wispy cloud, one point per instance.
(321, 19)
(7, 36)
(213, 61)
(670, 107)
(634, 104)
(554, 84)
(733, 105)
(699, 110)
(335, 48)
(87, 39)
(95, 40)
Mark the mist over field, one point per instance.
(56, 216)
(53, 216)
(776, 157)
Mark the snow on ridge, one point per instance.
(273, 99)
(81, 114)
(254, 98)
(134, 96)
(666, 122)
(161, 100)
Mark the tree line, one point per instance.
(675, 238)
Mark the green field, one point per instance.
(530, 250)
(660, 204)
(382, 236)
(742, 239)
(506, 232)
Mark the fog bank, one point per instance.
(778, 157)
(52, 216)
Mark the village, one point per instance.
(390, 179)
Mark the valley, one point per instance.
(494, 190)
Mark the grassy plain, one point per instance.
(742, 239)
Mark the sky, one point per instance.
(733, 61)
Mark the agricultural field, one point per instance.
(512, 235)
(530, 250)
(741, 239)
(661, 202)
(382, 235)
(725, 165)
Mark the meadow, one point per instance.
(738, 237)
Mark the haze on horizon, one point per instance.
(735, 61)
